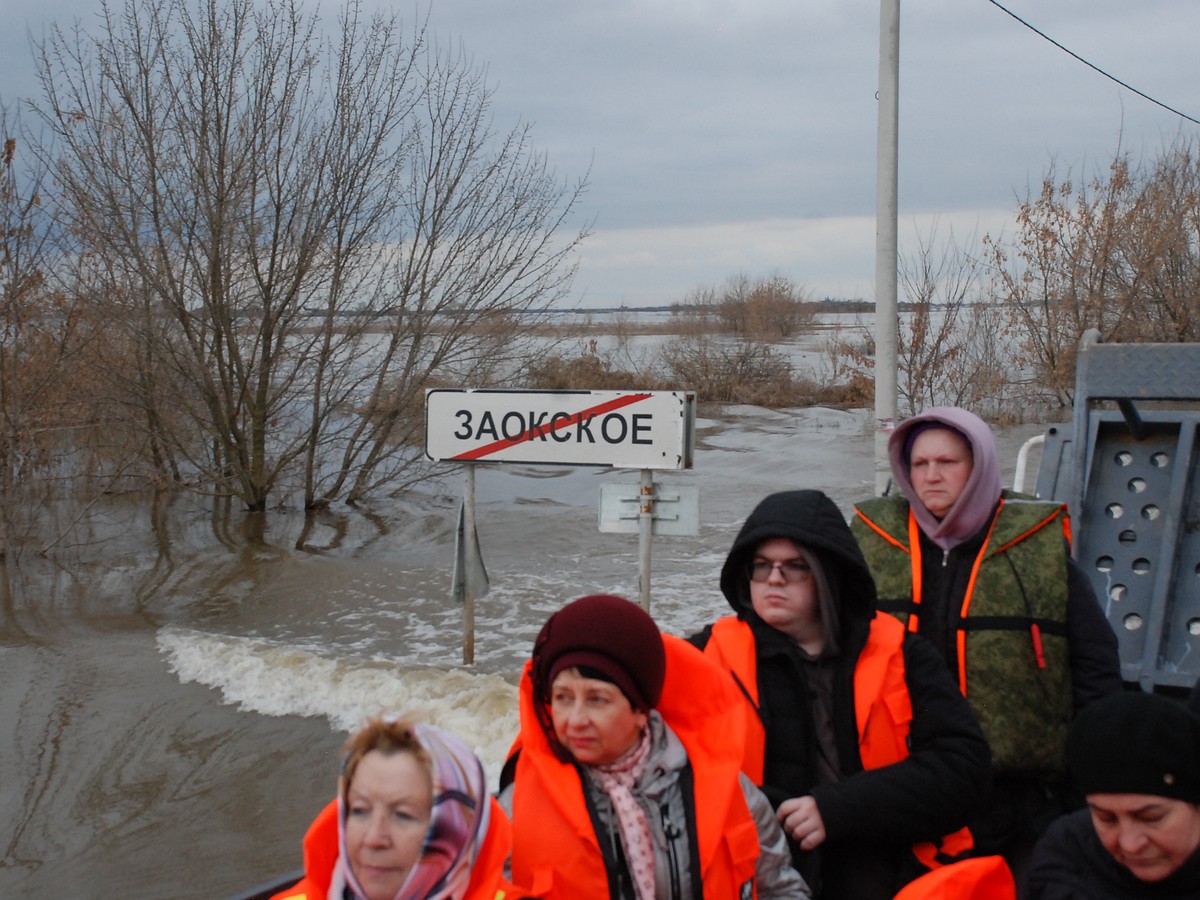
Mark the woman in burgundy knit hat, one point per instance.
(624, 781)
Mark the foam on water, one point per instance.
(277, 680)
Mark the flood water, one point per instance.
(172, 700)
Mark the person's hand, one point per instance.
(801, 821)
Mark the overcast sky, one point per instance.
(739, 136)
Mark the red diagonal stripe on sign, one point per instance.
(530, 434)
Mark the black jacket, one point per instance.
(1070, 863)
(1095, 665)
(871, 818)
(1020, 808)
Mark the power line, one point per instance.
(1127, 87)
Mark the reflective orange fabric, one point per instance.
(555, 848)
(882, 707)
(982, 878)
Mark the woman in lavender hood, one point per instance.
(986, 575)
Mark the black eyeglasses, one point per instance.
(793, 570)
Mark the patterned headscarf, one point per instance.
(457, 826)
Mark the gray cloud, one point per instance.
(727, 137)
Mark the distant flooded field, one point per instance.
(175, 686)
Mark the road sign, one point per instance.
(621, 429)
(676, 509)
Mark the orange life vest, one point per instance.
(982, 878)
(882, 707)
(556, 852)
(321, 853)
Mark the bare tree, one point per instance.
(1160, 246)
(935, 288)
(950, 345)
(773, 308)
(697, 311)
(44, 403)
(1118, 253)
(295, 234)
(779, 308)
(729, 370)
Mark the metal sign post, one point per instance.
(644, 430)
(645, 527)
(470, 551)
(470, 579)
(648, 508)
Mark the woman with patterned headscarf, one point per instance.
(412, 821)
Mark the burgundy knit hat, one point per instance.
(610, 635)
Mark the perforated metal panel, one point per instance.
(1129, 472)
(1139, 541)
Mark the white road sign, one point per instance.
(621, 429)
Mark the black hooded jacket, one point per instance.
(871, 818)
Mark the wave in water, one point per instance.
(279, 680)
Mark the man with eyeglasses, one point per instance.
(856, 731)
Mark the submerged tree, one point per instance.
(950, 348)
(47, 414)
(290, 236)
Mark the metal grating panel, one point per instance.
(1140, 371)
(1139, 543)
(1132, 478)
(1053, 474)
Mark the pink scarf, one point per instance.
(617, 780)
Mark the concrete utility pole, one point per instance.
(886, 217)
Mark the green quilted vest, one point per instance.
(1018, 607)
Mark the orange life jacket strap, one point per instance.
(961, 636)
(952, 846)
(879, 531)
(914, 560)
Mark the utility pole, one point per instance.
(886, 218)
